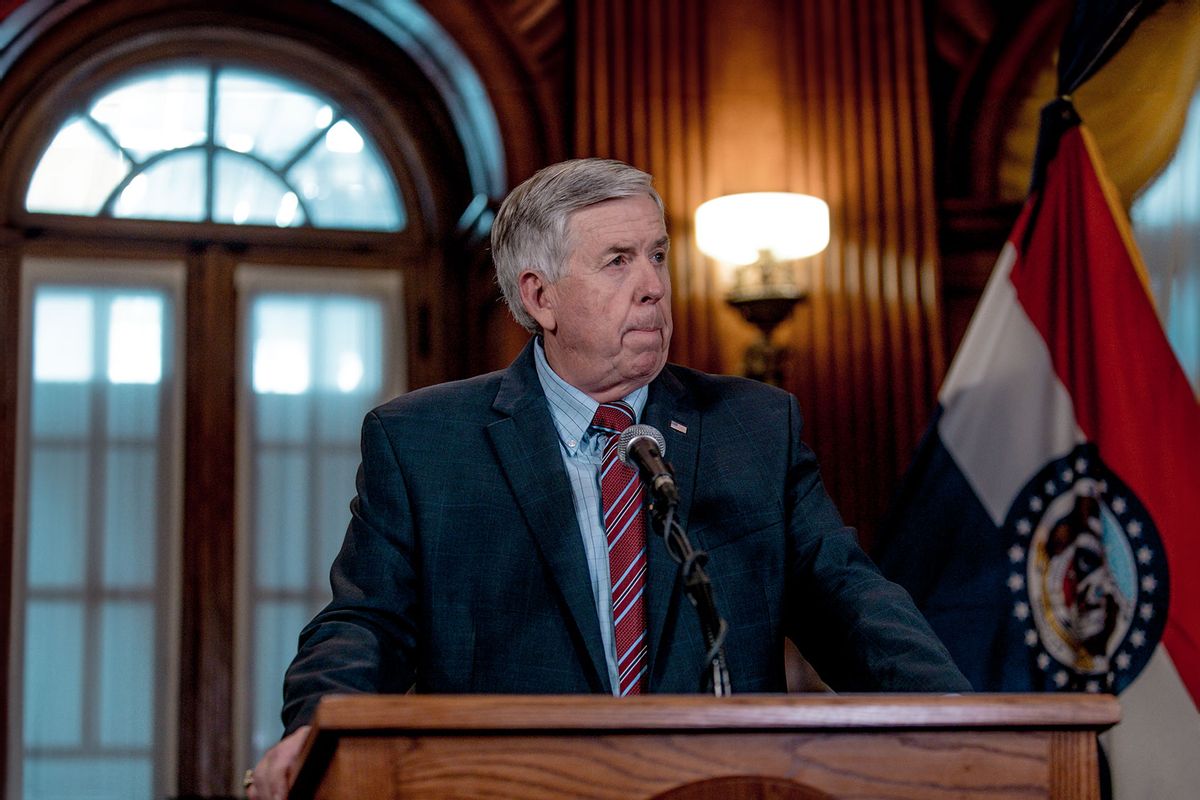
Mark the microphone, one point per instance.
(643, 446)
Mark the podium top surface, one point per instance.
(565, 713)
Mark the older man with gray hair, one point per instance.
(497, 544)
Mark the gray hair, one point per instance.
(530, 231)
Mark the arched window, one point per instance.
(216, 143)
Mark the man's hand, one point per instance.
(273, 775)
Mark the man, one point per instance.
(478, 557)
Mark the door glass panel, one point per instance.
(98, 533)
(317, 361)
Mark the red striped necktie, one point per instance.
(625, 524)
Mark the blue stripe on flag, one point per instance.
(947, 553)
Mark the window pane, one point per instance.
(283, 487)
(249, 194)
(58, 503)
(131, 516)
(345, 184)
(61, 412)
(62, 334)
(335, 470)
(267, 116)
(349, 361)
(172, 188)
(126, 674)
(282, 345)
(154, 113)
(54, 674)
(276, 626)
(56, 778)
(135, 339)
(339, 416)
(133, 411)
(77, 173)
(281, 418)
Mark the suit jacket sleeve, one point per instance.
(365, 639)
(860, 631)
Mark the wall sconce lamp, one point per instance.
(761, 234)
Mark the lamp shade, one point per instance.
(737, 227)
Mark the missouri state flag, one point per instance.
(1049, 527)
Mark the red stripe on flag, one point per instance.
(1081, 286)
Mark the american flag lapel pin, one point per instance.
(678, 426)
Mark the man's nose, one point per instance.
(654, 281)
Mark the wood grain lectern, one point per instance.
(783, 747)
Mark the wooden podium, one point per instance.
(688, 747)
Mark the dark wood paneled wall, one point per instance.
(826, 97)
(640, 96)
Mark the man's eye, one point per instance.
(618, 260)
(659, 257)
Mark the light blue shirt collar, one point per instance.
(571, 409)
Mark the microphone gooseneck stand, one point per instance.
(714, 677)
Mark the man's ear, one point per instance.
(537, 295)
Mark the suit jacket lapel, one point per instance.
(668, 408)
(528, 451)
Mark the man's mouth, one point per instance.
(645, 327)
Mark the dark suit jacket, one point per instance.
(463, 567)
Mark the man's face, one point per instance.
(607, 322)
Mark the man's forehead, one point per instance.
(610, 203)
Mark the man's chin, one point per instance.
(646, 365)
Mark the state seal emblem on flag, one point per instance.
(1088, 575)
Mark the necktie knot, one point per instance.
(613, 418)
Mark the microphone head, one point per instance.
(638, 432)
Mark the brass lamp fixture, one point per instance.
(761, 235)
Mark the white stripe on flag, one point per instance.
(1006, 414)
(1155, 750)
